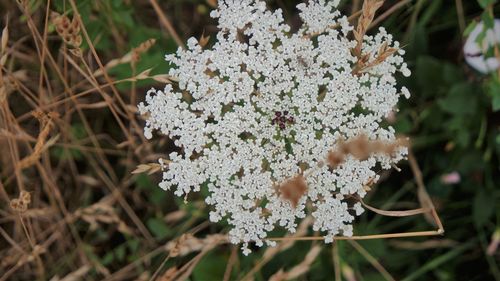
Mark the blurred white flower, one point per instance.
(475, 53)
(263, 107)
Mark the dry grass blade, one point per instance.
(435, 217)
(348, 273)
(187, 269)
(3, 60)
(164, 78)
(103, 212)
(112, 63)
(144, 75)
(151, 168)
(142, 48)
(373, 261)
(389, 12)
(46, 124)
(75, 275)
(286, 244)
(232, 260)
(299, 269)
(168, 275)
(132, 56)
(188, 243)
(405, 213)
(166, 23)
(425, 245)
(5, 39)
(423, 196)
(336, 261)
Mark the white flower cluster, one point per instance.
(264, 105)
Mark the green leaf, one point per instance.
(158, 227)
(489, 21)
(485, 3)
(494, 91)
(430, 12)
(461, 99)
(403, 125)
(483, 208)
(496, 102)
(211, 267)
(288, 146)
(429, 74)
(120, 252)
(108, 258)
(469, 28)
(438, 261)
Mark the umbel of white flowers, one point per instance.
(265, 105)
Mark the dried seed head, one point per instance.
(69, 30)
(25, 197)
(335, 158)
(369, 9)
(142, 48)
(293, 189)
(362, 148)
(358, 147)
(21, 204)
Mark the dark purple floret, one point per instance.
(282, 118)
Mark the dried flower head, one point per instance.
(264, 105)
(21, 204)
(69, 30)
(293, 189)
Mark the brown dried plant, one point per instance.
(188, 243)
(69, 30)
(21, 203)
(363, 63)
(360, 147)
(3, 59)
(102, 212)
(368, 11)
(141, 49)
(46, 124)
(299, 269)
(293, 189)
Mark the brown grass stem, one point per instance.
(166, 23)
